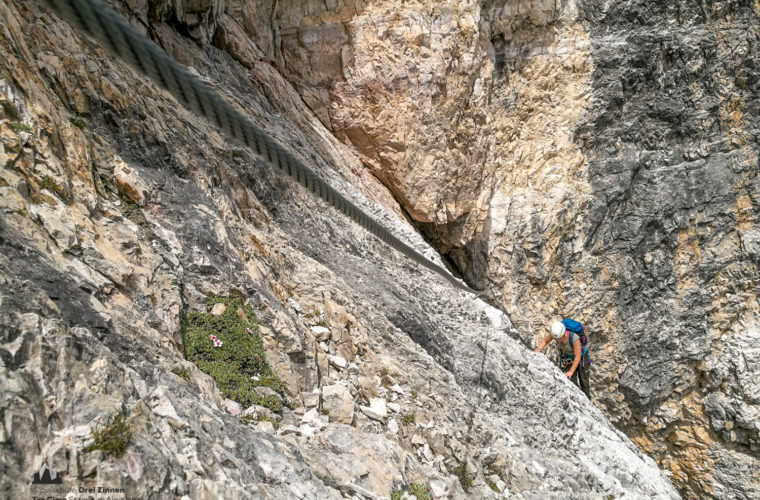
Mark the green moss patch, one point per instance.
(415, 489)
(229, 348)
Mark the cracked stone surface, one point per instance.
(121, 212)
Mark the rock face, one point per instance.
(587, 159)
(121, 212)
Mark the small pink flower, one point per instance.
(248, 330)
(211, 313)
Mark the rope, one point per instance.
(100, 22)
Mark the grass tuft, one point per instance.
(415, 489)
(464, 478)
(113, 438)
(19, 127)
(409, 419)
(77, 123)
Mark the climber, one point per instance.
(574, 358)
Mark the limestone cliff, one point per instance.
(590, 159)
(492, 126)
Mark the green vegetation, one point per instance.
(415, 489)
(19, 127)
(464, 478)
(239, 357)
(77, 123)
(491, 485)
(409, 418)
(420, 491)
(114, 437)
(49, 184)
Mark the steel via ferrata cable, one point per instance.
(102, 23)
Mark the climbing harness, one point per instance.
(566, 359)
(100, 22)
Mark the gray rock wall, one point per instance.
(120, 212)
(673, 156)
(586, 159)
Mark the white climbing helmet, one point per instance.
(557, 329)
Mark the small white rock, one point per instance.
(320, 332)
(338, 361)
(232, 407)
(312, 418)
(307, 430)
(218, 309)
(311, 399)
(438, 488)
(265, 426)
(538, 468)
(397, 389)
(392, 426)
(295, 305)
(377, 409)
(394, 407)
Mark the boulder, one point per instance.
(376, 410)
(338, 403)
(320, 332)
